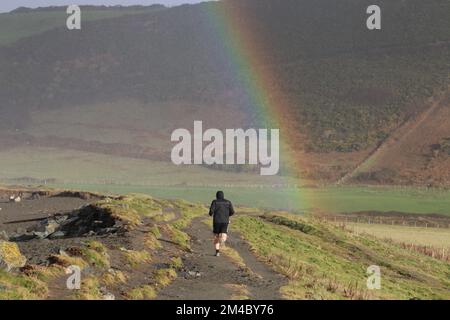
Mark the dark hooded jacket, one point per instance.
(221, 209)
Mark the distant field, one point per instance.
(86, 168)
(16, 26)
(97, 172)
(420, 236)
(327, 199)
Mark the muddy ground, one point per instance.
(18, 217)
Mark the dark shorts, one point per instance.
(220, 228)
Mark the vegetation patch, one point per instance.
(90, 289)
(43, 273)
(177, 236)
(96, 255)
(144, 292)
(163, 277)
(188, 212)
(239, 291)
(143, 204)
(165, 217)
(113, 277)
(135, 258)
(176, 263)
(120, 210)
(293, 224)
(10, 256)
(335, 266)
(64, 260)
(151, 242)
(21, 287)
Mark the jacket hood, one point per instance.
(220, 195)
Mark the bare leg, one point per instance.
(217, 242)
(223, 238)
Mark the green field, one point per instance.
(422, 236)
(121, 175)
(326, 199)
(88, 168)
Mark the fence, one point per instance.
(419, 222)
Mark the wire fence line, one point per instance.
(419, 222)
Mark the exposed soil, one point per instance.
(26, 213)
(18, 217)
(207, 277)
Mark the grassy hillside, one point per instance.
(347, 88)
(325, 262)
(122, 84)
(25, 23)
(131, 260)
(319, 260)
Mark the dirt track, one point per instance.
(216, 274)
(203, 275)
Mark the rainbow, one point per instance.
(253, 71)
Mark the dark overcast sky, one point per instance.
(8, 5)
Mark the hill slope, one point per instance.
(416, 153)
(161, 249)
(23, 22)
(131, 79)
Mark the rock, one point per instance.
(47, 228)
(10, 256)
(69, 221)
(106, 294)
(57, 235)
(51, 226)
(22, 237)
(21, 230)
(106, 231)
(35, 196)
(61, 219)
(40, 235)
(194, 274)
(109, 296)
(4, 236)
